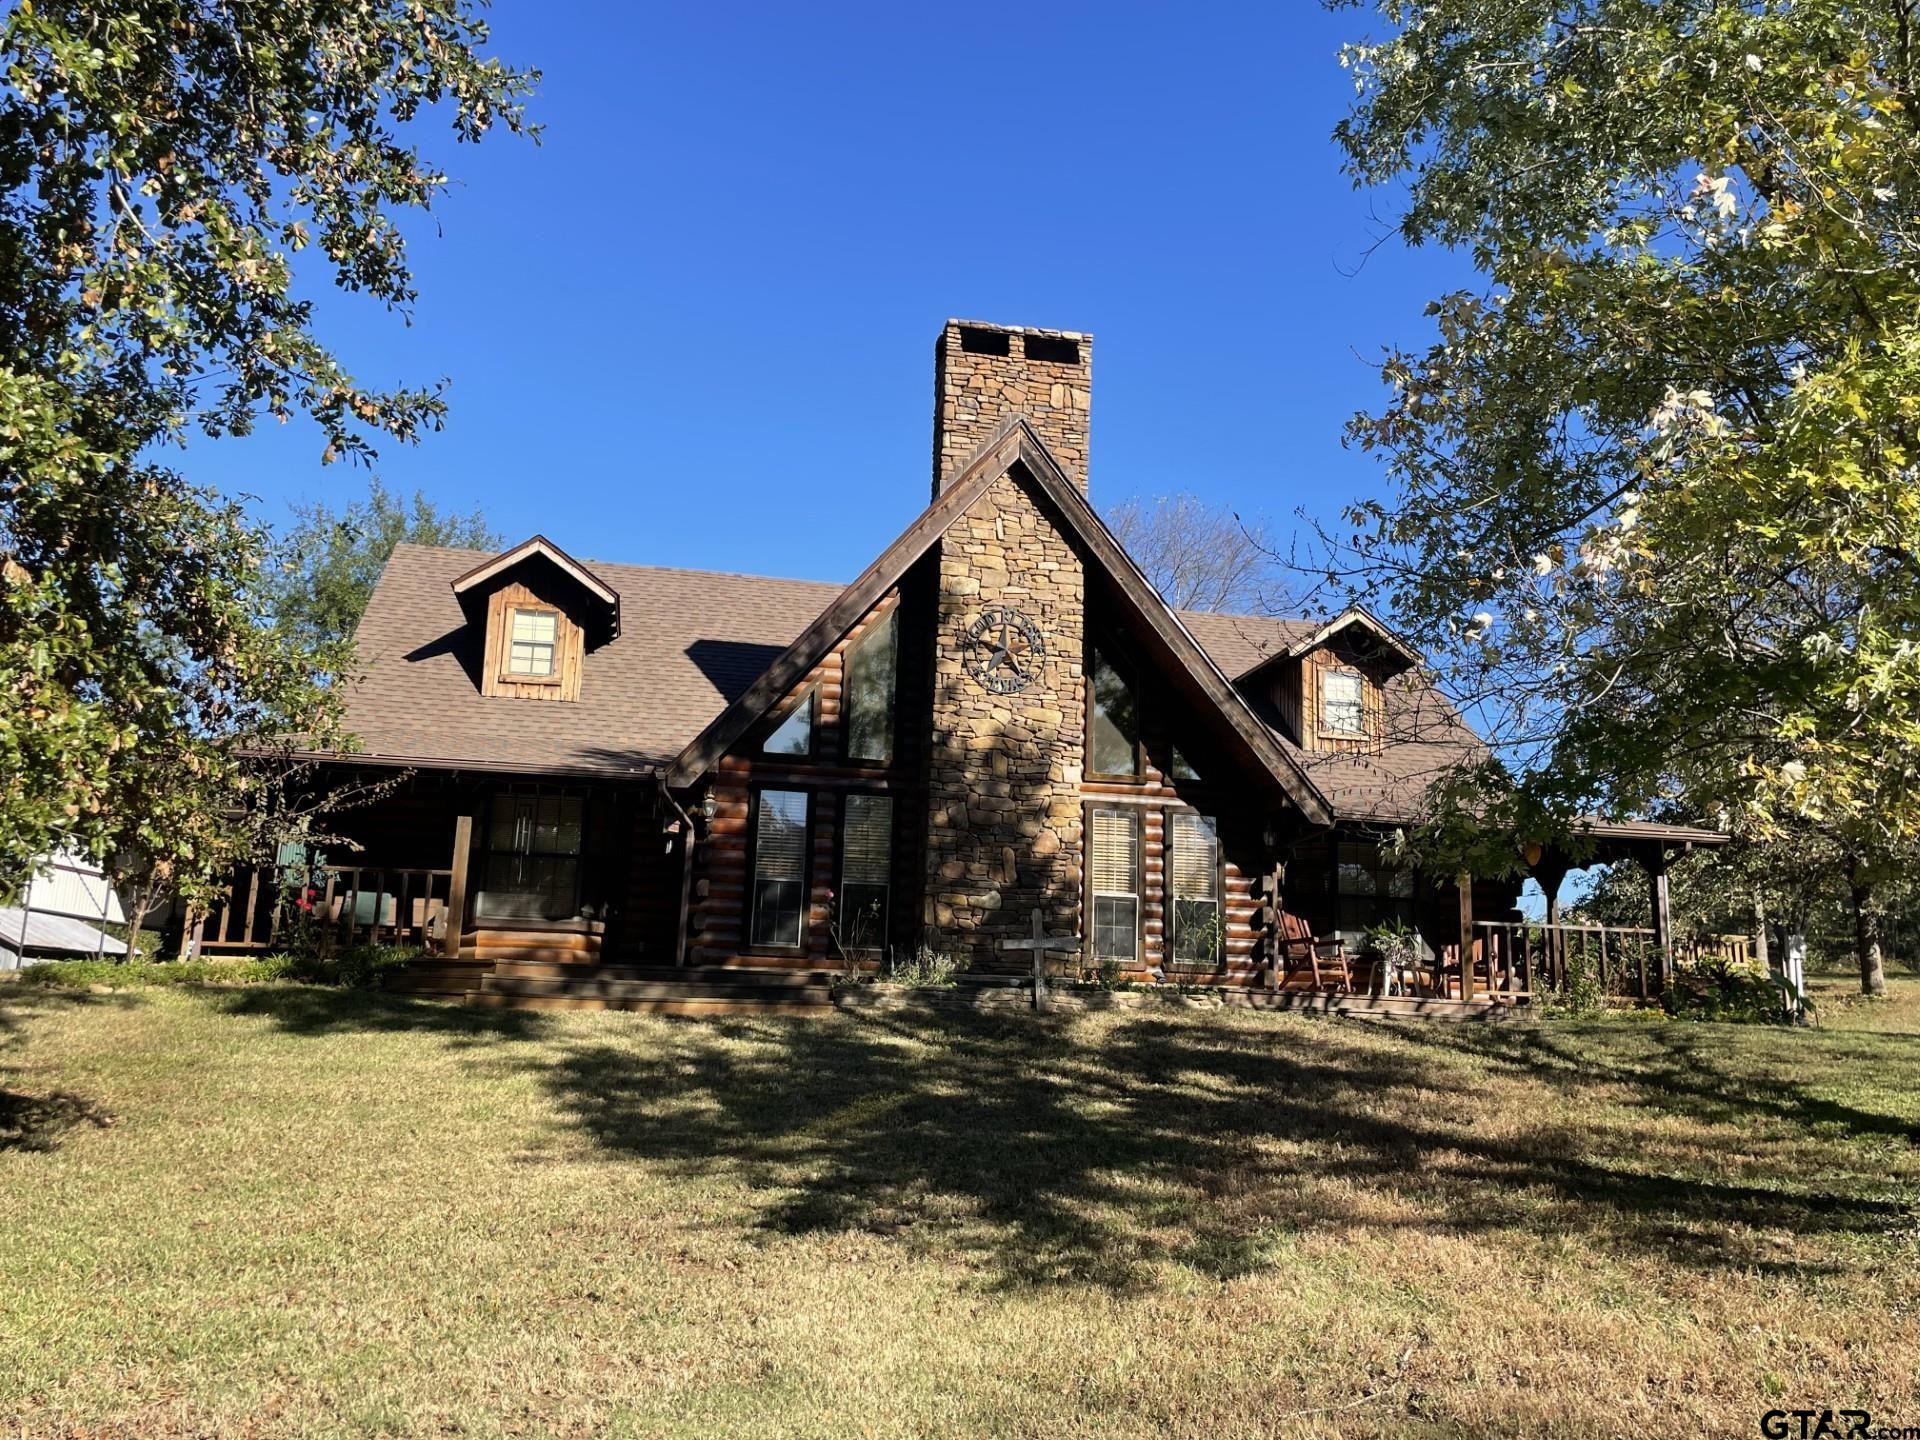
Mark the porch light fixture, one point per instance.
(1533, 850)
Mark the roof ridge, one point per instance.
(464, 550)
(1245, 615)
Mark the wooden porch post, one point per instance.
(1272, 903)
(191, 923)
(457, 887)
(1662, 918)
(686, 890)
(1465, 883)
(1551, 877)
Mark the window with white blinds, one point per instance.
(866, 867)
(1194, 872)
(779, 866)
(1113, 872)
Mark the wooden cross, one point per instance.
(1039, 944)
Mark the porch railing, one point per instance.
(363, 904)
(1516, 959)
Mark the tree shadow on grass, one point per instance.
(1713, 1074)
(1049, 1150)
(32, 1120)
(1041, 1159)
(313, 1010)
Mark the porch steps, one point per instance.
(443, 979)
(551, 985)
(497, 944)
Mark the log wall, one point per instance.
(718, 921)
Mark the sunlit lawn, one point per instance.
(290, 1211)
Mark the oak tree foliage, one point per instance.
(329, 560)
(1652, 498)
(163, 163)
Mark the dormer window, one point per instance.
(534, 614)
(1342, 704)
(532, 644)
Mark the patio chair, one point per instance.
(1326, 960)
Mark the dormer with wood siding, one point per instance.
(1328, 689)
(539, 612)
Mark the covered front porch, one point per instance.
(1332, 919)
(463, 866)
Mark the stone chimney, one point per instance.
(984, 373)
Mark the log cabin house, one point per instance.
(633, 783)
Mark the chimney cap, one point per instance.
(956, 323)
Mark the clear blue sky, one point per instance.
(695, 325)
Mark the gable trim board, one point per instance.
(1352, 615)
(526, 550)
(1014, 444)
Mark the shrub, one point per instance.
(1581, 992)
(80, 974)
(927, 969)
(1715, 988)
(362, 966)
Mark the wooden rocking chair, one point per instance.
(1327, 960)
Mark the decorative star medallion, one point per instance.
(1005, 649)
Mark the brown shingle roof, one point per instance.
(694, 641)
(1423, 733)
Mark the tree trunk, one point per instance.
(1866, 933)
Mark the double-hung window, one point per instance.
(532, 643)
(1342, 709)
(1194, 868)
(780, 846)
(1114, 873)
(866, 861)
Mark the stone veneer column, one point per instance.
(975, 390)
(1004, 771)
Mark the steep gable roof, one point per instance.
(1013, 444)
(1365, 619)
(539, 553)
(1422, 734)
(699, 641)
(536, 545)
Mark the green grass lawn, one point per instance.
(295, 1211)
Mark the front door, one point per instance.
(532, 869)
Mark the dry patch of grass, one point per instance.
(298, 1211)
